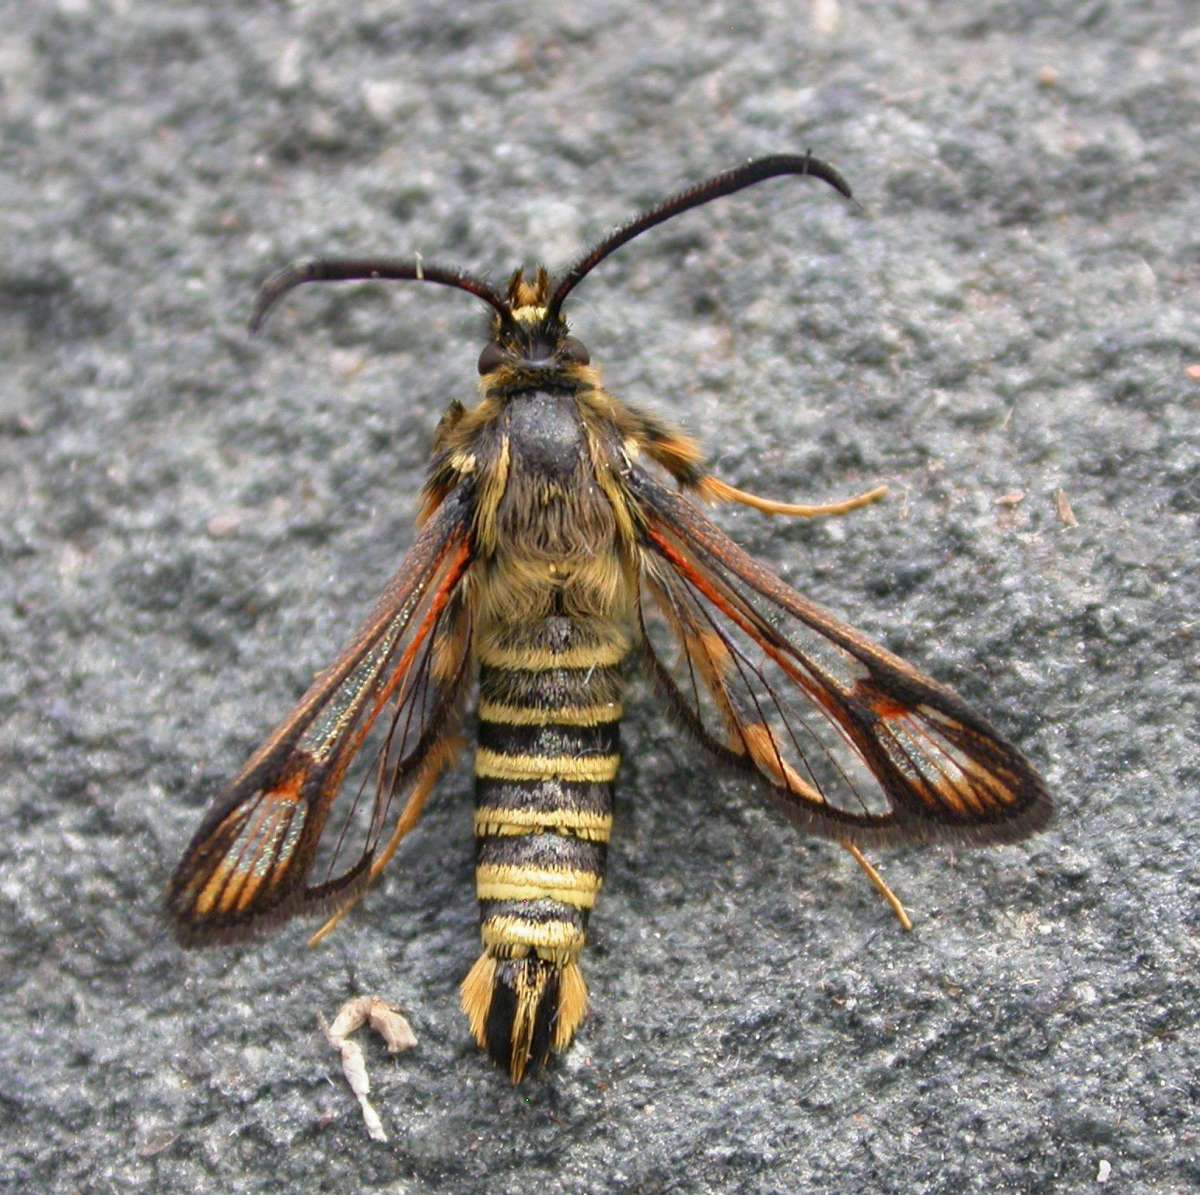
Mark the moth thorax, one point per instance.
(546, 435)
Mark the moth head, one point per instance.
(531, 338)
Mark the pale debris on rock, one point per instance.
(388, 1022)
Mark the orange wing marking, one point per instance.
(238, 876)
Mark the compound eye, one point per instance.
(574, 350)
(492, 357)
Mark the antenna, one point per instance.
(722, 184)
(349, 269)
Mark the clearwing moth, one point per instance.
(560, 540)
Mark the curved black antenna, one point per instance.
(722, 184)
(350, 269)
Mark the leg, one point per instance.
(880, 886)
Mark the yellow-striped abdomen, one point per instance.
(549, 711)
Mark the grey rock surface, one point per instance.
(193, 520)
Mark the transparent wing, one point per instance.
(368, 739)
(851, 742)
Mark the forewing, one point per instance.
(267, 849)
(852, 742)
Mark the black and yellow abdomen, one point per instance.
(545, 766)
